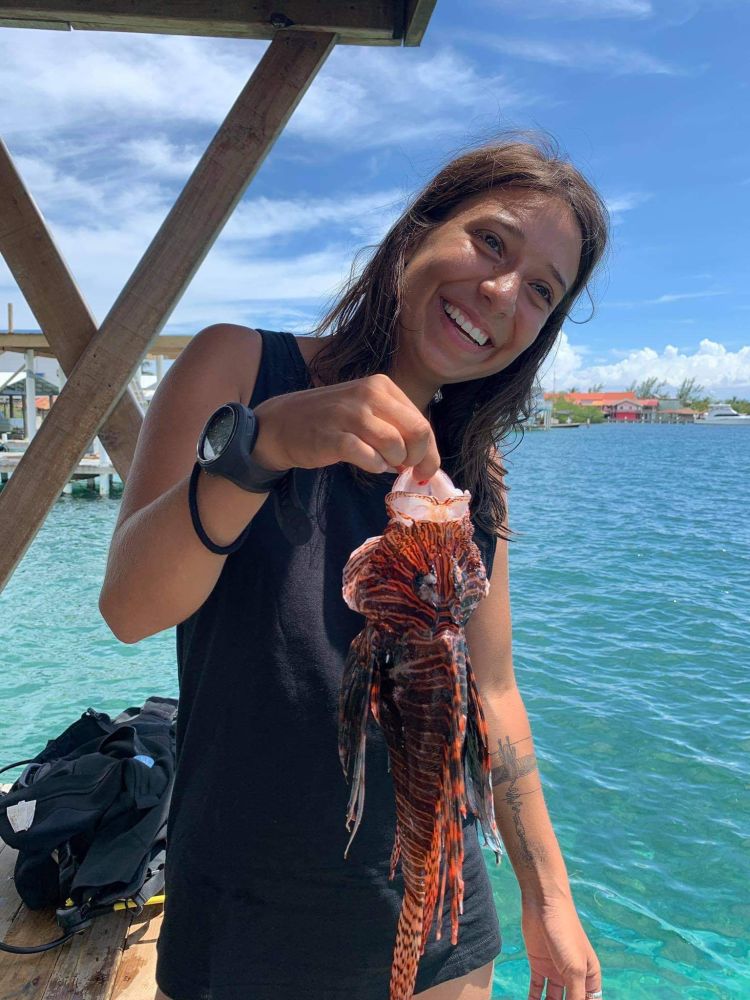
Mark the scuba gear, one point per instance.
(88, 816)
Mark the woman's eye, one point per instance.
(490, 238)
(545, 293)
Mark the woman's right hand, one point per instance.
(368, 422)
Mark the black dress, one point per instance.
(260, 903)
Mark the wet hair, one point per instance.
(476, 415)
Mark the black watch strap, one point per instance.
(239, 467)
(235, 462)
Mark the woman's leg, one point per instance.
(476, 985)
(159, 995)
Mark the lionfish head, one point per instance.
(438, 500)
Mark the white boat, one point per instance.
(723, 413)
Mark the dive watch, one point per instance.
(225, 448)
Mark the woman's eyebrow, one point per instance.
(512, 226)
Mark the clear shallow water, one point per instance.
(630, 588)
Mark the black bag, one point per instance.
(88, 815)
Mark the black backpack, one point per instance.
(88, 816)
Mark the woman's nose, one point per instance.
(501, 291)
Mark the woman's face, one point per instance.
(503, 260)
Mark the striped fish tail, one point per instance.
(408, 948)
(432, 878)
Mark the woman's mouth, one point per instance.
(452, 323)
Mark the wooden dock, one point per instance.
(114, 958)
(90, 467)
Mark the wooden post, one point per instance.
(51, 292)
(29, 409)
(111, 358)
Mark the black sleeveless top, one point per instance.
(260, 903)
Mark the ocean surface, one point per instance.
(630, 590)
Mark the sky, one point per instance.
(648, 98)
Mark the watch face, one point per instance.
(218, 433)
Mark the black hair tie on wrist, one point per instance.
(291, 515)
(219, 550)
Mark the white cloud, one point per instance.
(618, 205)
(579, 9)
(271, 251)
(604, 8)
(102, 84)
(163, 158)
(665, 299)
(720, 371)
(368, 216)
(678, 297)
(360, 96)
(226, 288)
(89, 78)
(564, 365)
(580, 55)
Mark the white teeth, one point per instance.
(465, 325)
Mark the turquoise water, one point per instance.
(630, 586)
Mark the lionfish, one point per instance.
(417, 585)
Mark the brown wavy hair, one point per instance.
(475, 415)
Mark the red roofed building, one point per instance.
(620, 407)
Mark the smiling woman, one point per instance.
(464, 297)
(507, 236)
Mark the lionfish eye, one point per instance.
(424, 585)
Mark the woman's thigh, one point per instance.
(476, 985)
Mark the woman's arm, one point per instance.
(520, 809)
(158, 571)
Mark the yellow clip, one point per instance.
(130, 905)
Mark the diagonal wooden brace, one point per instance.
(48, 286)
(111, 357)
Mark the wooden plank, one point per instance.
(111, 358)
(84, 968)
(135, 979)
(361, 22)
(28, 975)
(418, 14)
(169, 345)
(10, 904)
(53, 296)
(88, 964)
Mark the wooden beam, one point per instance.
(47, 285)
(111, 358)
(169, 345)
(418, 14)
(361, 22)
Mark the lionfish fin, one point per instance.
(395, 853)
(477, 769)
(354, 706)
(358, 561)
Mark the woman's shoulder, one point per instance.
(308, 348)
(245, 346)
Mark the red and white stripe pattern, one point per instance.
(417, 585)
